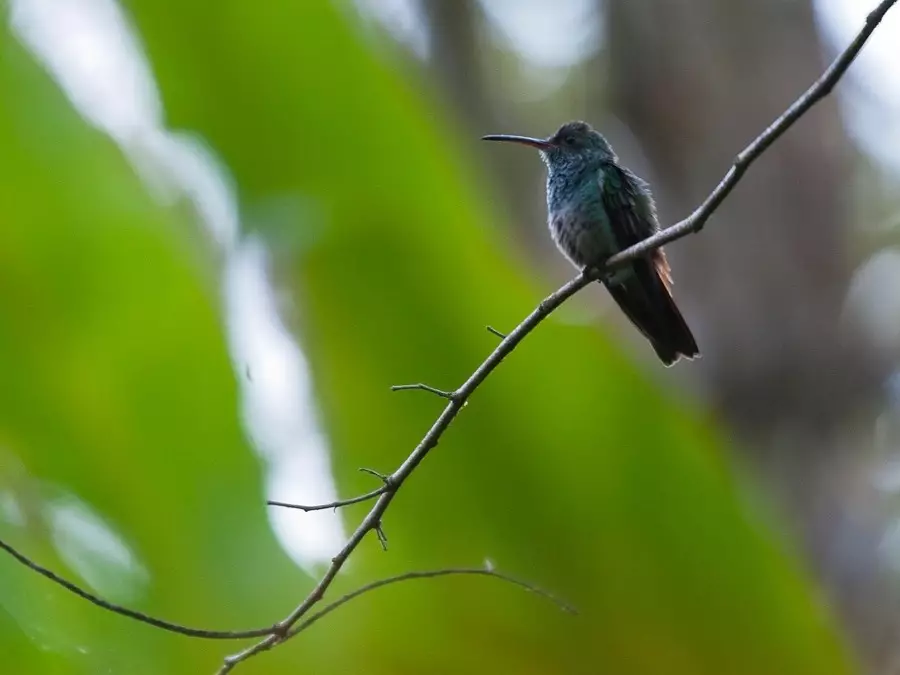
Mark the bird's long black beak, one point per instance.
(538, 143)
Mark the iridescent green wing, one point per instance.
(631, 211)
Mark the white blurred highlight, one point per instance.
(870, 94)
(95, 551)
(557, 34)
(278, 409)
(403, 19)
(873, 300)
(10, 511)
(92, 51)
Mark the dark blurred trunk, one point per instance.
(453, 33)
(455, 27)
(764, 283)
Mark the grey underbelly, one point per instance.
(582, 241)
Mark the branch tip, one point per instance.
(449, 395)
(169, 626)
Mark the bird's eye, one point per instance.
(569, 140)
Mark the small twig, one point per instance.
(382, 537)
(331, 505)
(133, 614)
(496, 332)
(385, 478)
(424, 387)
(271, 641)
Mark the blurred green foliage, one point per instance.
(569, 468)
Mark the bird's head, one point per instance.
(573, 143)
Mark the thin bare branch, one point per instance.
(424, 387)
(480, 571)
(232, 661)
(485, 572)
(133, 614)
(331, 505)
(693, 223)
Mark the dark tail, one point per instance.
(646, 300)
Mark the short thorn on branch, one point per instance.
(496, 332)
(382, 537)
(383, 477)
(449, 395)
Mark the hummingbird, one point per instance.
(596, 208)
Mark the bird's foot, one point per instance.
(595, 272)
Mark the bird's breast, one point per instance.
(583, 235)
